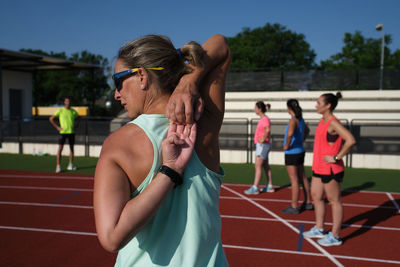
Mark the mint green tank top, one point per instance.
(186, 230)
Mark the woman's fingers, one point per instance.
(174, 139)
(198, 110)
(193, 132)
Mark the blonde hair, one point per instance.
(152, 51)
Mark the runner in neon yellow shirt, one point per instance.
(66, 130)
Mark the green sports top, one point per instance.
(186, 230)
(67, 119)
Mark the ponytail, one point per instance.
(294, 105)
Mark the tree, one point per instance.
(271, 47)
(394, 60)
(93, 83)
(360, 52)
(84, 87)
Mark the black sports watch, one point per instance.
(172, 174)
(335, 158)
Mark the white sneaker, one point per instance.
(269, 188)
(251, 191)
(330, 240)
(315, 233)
(58, 169)
(71, 167)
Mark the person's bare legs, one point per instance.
(71, 154)
(258, 171)
(332, 190)
(59, 151)
(292, 173)
(306, 185)
(317, 192)
(267, 171)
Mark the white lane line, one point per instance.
(16, 176)
(288, 201)
(35, 204)
(45, 188)
(46, 230)
(224, 245)
(45, 205)
(309, 254)
(394, 201)
(309, 222)
(312, 242)
(344, 190)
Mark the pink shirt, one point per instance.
(322, 148)
(260, 130)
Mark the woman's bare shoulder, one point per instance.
(131, 149)
(128, 133)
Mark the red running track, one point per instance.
(47, 220)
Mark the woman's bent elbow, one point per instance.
(352, 142)
(108, 244)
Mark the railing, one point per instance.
(372, 137)
(311, 80)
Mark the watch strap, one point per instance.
(175, 177)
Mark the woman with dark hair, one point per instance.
(328, 169)
(263, 147)
(156, 189)
(295, 133)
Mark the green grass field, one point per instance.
(355, 179)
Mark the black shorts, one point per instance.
(294, 159)
(338, 177)
(63, 137)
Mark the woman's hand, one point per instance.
(286, 147)
(329, 159)
(185, 105)
(177, 147)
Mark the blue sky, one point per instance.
(101, 27)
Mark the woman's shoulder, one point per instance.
(335, 121)
(130, 137)
(265, 119)
(130, 149)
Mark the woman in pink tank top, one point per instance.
(328, 169)
(263, 147)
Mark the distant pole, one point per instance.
(379, 27)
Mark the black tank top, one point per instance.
(331, 138)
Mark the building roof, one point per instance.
(21, 61)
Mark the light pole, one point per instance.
(379, 27)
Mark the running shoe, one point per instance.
(58, 169)
(71, 167)
(307, 206)
(330, 240)
(315, 233)
(291, 210)
(251, 191)
(269, 188)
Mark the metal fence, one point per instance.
(373, 137)
(367, 79)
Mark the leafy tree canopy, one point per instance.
(85, 87)
(360, 52)
(271, 47)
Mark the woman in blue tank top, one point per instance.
(295, 133)
(156, 190)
